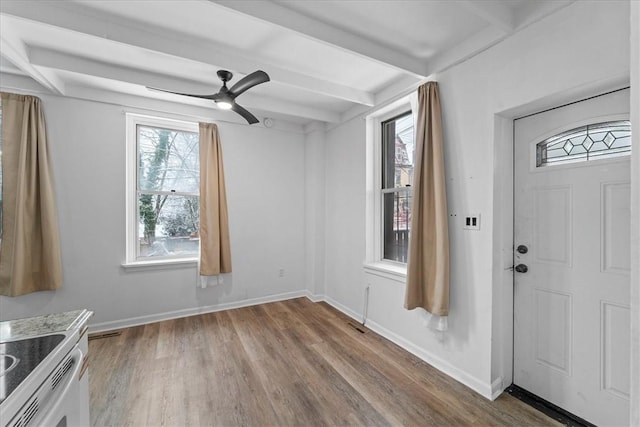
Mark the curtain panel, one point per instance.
(428, 263)
(30, 258)
(215, 250)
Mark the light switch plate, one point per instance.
(471, 222)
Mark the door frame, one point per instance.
(502, 349)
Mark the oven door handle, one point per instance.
(57, 409)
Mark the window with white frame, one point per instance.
(397, 145)
(389, 171)
(163, 181)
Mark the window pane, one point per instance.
(396, 224)
(596, 141)
(168, 225)
(167, 160)
(398, 151)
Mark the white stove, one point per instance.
(43, 380)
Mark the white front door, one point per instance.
(571, 306)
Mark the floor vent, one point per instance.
(105, 335)
(356, 327)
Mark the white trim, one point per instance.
(158, 317)
(497, 387)
(344, 309)
(373, 216)
(489, 391)
(160, 264)
(389, 270)
(442, 365)
(314, 297)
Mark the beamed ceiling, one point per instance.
(327, 60)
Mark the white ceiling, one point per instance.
(325, 58)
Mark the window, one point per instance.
(389, 174)
(594, 141)
(163, 185)
(397, 176)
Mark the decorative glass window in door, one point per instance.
(591, 142)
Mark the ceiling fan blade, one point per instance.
(244, 113)
(247, 82)
(193, 95)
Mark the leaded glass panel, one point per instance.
(596, 141)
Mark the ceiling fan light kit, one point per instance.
(224, 105)
(225, 99)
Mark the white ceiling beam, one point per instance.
(48, 58)
(259, 106)
(122, 30)
(15, 51)
(496, 13)
(336, 37)
(57, 60)
(532, 11)
(504, 22)
(21, 83)
(470, 47)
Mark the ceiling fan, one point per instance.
(226, 98)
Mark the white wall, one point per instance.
(298, 201)
(635, 213)
(314, 176)
(345, 215)
(265, 185)
(562, 58)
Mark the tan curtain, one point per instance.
(30, 258)
(215, 250)
(428, 264)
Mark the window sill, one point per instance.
(388, 270)
(160, 264)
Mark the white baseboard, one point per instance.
(490, 391)
(346, 310)
(314, 297)
(457, 374)
(497, 387)
(152, 318)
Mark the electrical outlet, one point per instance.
(471, 222)
(281, 272)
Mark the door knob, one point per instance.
(522, 249)
(521, 268)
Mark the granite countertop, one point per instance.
(42, 325)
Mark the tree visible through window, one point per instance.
(167, 192)
(397, 176)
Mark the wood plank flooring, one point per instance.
(290, 363)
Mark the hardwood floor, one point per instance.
(291, 363)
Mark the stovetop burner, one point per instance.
(7, 363)
(20, 358)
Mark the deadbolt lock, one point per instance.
(522, 249)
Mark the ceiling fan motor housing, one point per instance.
(225, 75)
